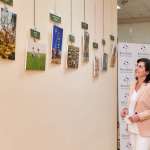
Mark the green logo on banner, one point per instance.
(35, 32)
(55, 17)
(95, 45)
(9, 2)
(84, 25)
(112, 37)
(103, 42)
(71, 37)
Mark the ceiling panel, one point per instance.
(123, 16)
(146, 2)
(148, 6)
(121, 11)
(137, 15)
(131, 4)
(136, 9)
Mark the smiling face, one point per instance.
(140, 71)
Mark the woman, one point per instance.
(138, 107)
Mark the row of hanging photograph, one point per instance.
(36, 53)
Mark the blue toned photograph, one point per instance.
(57, 45)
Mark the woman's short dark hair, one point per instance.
(147, 68)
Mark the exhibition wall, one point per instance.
(59, 108)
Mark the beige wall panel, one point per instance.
(59, 109)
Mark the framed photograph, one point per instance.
(104, 61)
(56, 51)
(7, 34)
(114, 48)
(85, 46)
(72, 57)
(96, 66)
(35, 56)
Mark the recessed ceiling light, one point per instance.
(118, 7)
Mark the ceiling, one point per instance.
(134, 9)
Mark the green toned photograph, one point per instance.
(35, 56)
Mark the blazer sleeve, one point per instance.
(144, 115)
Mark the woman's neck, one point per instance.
(141, 80)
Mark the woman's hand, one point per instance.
(134, 118)
(123, 113)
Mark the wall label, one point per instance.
(84, 24)
(9, 2)
(71, 37)
(103, 41)
(54, 16)
(95, 44)
(35, 32)
(112, 37)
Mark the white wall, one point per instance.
(59, 109)
(140, 32)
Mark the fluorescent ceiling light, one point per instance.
(118, 7)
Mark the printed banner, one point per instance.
(9, 2)
(128, 54)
